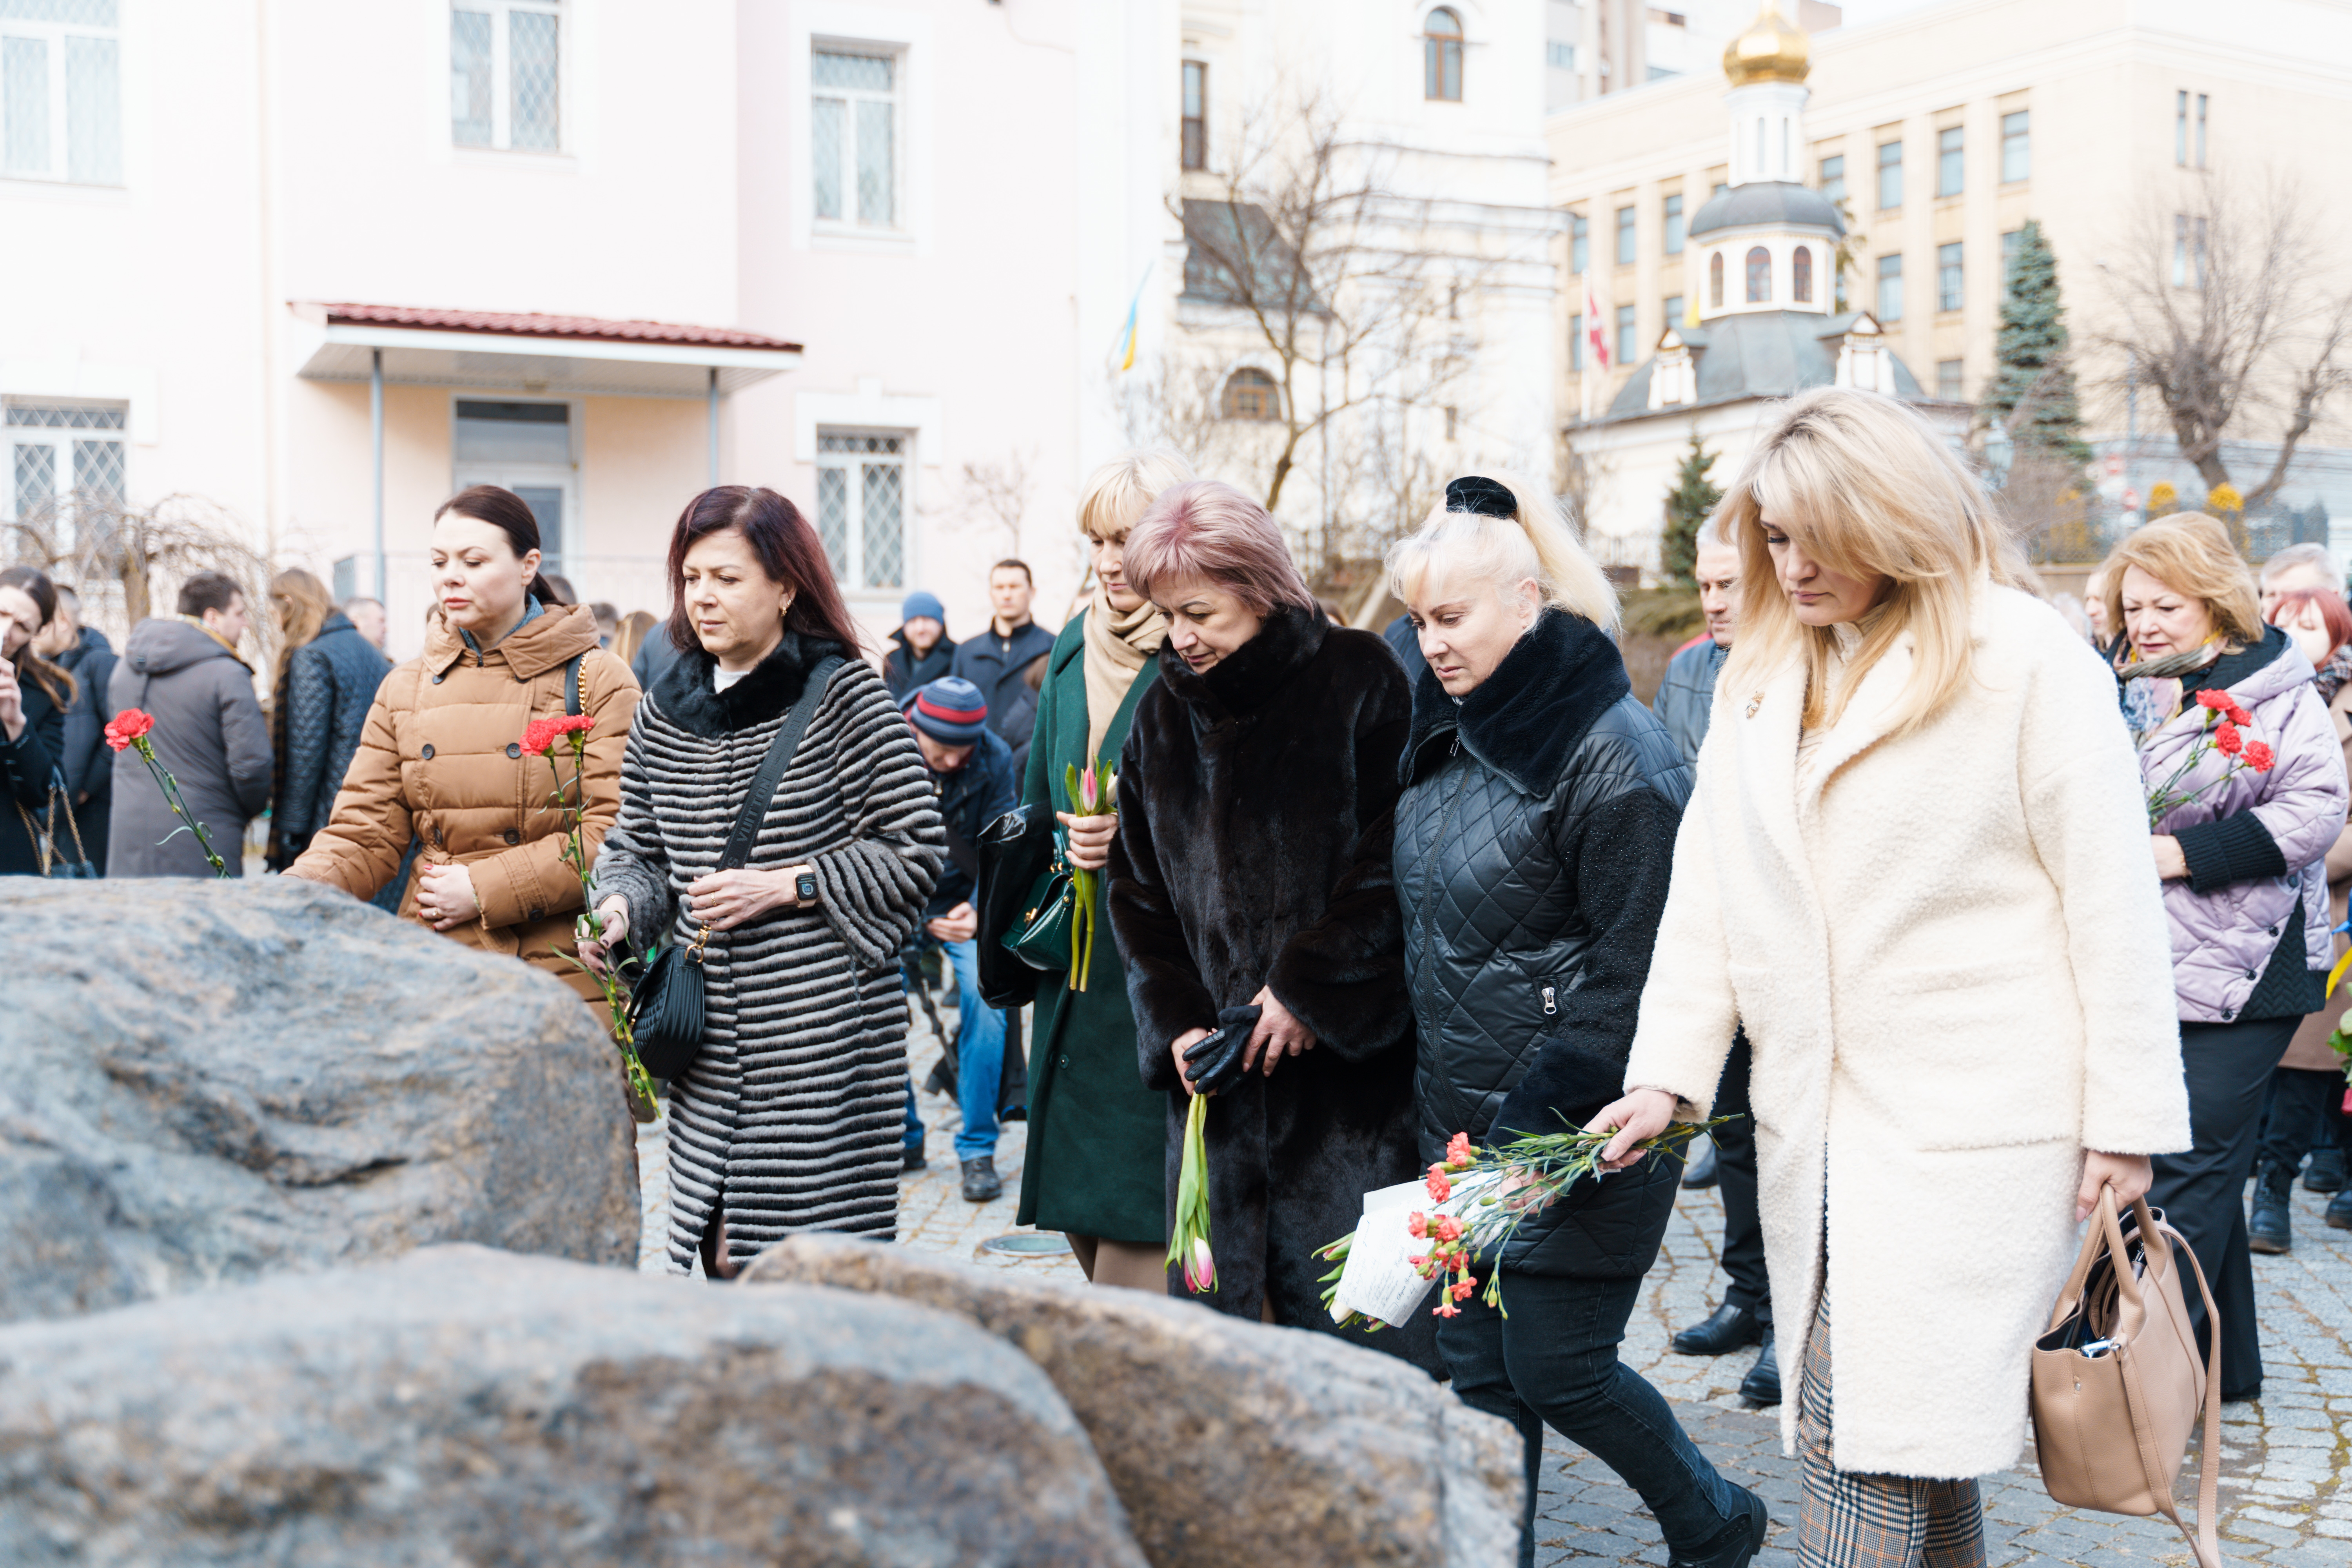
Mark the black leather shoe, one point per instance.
(1731, 1326)
(1762, 1384)
(2325, 1173)
(2339, 1211)
(915, 1161)
(2268, 1228)
(981, 1182)
(1736, 1543)
(1700, 1172)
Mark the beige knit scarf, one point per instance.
(1117, 647)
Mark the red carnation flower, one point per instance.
(2219, 701)
(2259, 756)
(128, 726)
(2227, 740)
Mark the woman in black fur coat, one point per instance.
(1251, 871)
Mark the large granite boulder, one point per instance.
(462, 1405)
(211, 1081)
(1228, 1441)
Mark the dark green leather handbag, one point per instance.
(1040, 937)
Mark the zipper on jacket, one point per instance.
(1551, 1001)
(1440, 1070)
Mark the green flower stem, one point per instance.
(171, 797)
(572, 802)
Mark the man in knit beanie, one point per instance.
(924, 651)
(972, 769)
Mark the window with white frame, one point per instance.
(62, 90)
(506, 75)
(60, 454)
(861, 507)
(853, 135)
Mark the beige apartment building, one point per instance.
(1939, 133)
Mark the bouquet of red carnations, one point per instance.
(2225, 723)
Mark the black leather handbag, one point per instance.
(665, 1006)
(48, 854)
(1018, 860)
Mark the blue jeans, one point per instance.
(1554, 1359)
(980, 1059)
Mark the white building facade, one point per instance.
(877, 253)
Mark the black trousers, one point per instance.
(2203, 1192)
(1735, 1166)
(2306, 1113)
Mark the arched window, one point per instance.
(1801, 275)
(1714, 282)
(1250, 395)
(1441, 56)
(1760, 276)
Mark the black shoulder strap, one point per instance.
(763, 792)
(572, 685)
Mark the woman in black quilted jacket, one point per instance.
(1533, 843)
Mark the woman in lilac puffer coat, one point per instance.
(2245, 883)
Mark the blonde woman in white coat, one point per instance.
(1915, 868)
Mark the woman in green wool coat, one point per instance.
(1097, 1138)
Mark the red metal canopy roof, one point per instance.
(530, 324)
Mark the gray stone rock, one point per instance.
(210, 1081)
(462, 1405)
(1230, 1442)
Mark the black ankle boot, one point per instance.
(2268, 1226)
(2325, 1173)
(1735, 1543)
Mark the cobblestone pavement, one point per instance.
(2285, 1497)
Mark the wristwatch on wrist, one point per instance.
(804, 886)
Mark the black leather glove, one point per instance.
(1214, 1065)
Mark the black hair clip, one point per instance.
(1484, 496)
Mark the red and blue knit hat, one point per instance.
(950, 710)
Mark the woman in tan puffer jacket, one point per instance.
(442, 759)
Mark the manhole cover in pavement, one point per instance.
(1028, 1243)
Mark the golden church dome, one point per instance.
(1771, 49)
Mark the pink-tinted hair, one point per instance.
(1204, 530)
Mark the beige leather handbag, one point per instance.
(2117, 1383)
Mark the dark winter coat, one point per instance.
(1533, 846)
(211, 735)
(969, 799)
(1095, 1164)
(903, 670)
(655, 654)
(1687, 694)
(1253, 850)
(996, 664)
(87, 765)
(331, 684)
(27, 766)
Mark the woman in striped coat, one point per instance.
(790, 1117)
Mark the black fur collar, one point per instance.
(1526, 719)
(688, 698)
(1247, 678)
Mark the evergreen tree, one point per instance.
(1688, 506)
(2036, 366)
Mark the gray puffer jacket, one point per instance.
(2252, 913)
(209, 733)
(1534, 842)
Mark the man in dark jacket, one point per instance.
(88, 767)
(998, 661)
(972, 770)
(209, 733)
(1685, 698)
(924, 651)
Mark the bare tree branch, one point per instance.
(2231, 310)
